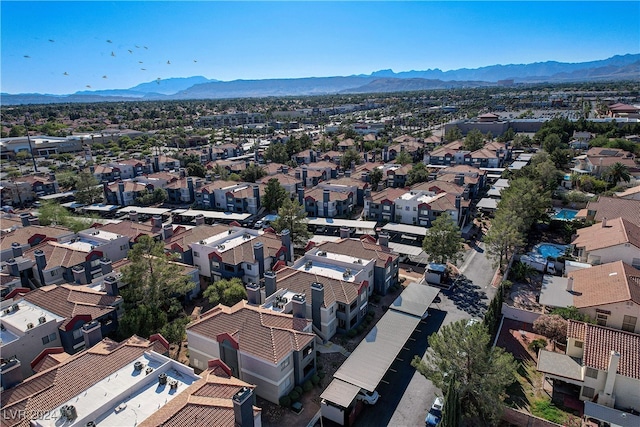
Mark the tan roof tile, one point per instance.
(617, 231)
(613, 207)
(261, 332)
(605, 284)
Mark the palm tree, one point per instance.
(618, 172)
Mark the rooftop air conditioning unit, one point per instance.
(7, 311)
(148, 370)
(162, 379)
(138, 366)
(15, 307)
(29, 325)
(173, 384)
(42, 320)
(308, 264)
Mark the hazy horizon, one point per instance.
(63, 47)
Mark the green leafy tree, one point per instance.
(153, 285)
(504, 237)
(453, 134)
(552, 326)
(548, 175)
(221, 171)
(22, 156)
(481, 373)
(474, 140)
(451, 410)
(277, 153)
(226, 291)
(160, 195)
(443, 242)
(292, 217)
(274, 195)
(196, 169)
(349, 156)
(375, 176)
(88, 189)
(404, 158)
(252, 173)
(418, 173)
(51, 213)
(527, 199)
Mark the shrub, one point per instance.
(307, 386)
(360, 329)
(351, 333)
(315, 379)
(322, 374)
(285, 401)
(537, 344)
(376, 298)
(294, 395)
(298, 389)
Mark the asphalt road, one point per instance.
(405, 395)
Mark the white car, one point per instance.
(368, 397)
(435, 413)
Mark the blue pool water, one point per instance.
(565, 214)
(547, 250)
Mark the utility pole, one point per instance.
(33, 158)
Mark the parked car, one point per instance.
(258, 225)
(435, 413)
(368, 397)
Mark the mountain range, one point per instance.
(619, 67)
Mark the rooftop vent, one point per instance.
(322, 253)
(42, 320)
(308, 264)
(138, 366)
(29, 325)
(173, 384)
(162, 379)
(15, 307)
(148, 370)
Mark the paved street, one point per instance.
(407, 397)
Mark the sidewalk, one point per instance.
(330, 347)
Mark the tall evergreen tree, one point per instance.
(292, 217)
(443, 243)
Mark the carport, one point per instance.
(370, 361)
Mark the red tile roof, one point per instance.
(599, 341)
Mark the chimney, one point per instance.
(401, 147)
(91, 333)
(208, 177)
(182, 172)
(312, 156)
(353, 165)
(256, 195)
(79, 275)
(92, 169)
(10, 373)
(285, 237)
(121, 192)
(14, 269)
(156, 221)
(111, 286)
(385, 154)
(458, 199)
(570, 284)
(253, 294)
(347, 173)
(133, 216)
(345, 232)
(285, 169)
(167, 231)
(105, 266)
(301, 195)
(191, 188)
(17, 249)
(326, 195)
(24, 217)
(383, 240)
(258, 254)
(34, 221)
(243, 407)
(304, 176)
(366, 157)
(52, 176)
(604, 222)
(612, 371)
(41, 262)
(199, 219)
(459, 179)
(269, 283)
(317, 301)
(299, 303)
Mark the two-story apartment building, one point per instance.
(125, 193)
(326, 202)
(41, 185)
(229, 196)
(240, 252)
(162, 163)
(275, 351)
(471, 177)
(380, 205)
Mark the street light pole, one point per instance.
(33, 158)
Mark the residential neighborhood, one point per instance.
(252, 271)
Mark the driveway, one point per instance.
(408, 395)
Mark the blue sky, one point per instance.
(257, 40)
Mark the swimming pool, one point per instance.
(565, 214)
(549, 250)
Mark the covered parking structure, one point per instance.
(360, 227)
(212, 215)
(370, 361)
(407, 234)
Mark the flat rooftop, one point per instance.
(15, 321)
(331, 271)
(223, 242)
(129, 396)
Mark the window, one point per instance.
(196, 254)
(579, 344)
(407, 208)
(284, 364)
(371, 273)
(77, 334)
(45, 340)
(636, 263)
(601, 319)
(53, 336)
(123, 247)
(249, 267)
(629, 323)
(588, 392)
(53, 273)
(591, 373)
(415, 209)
